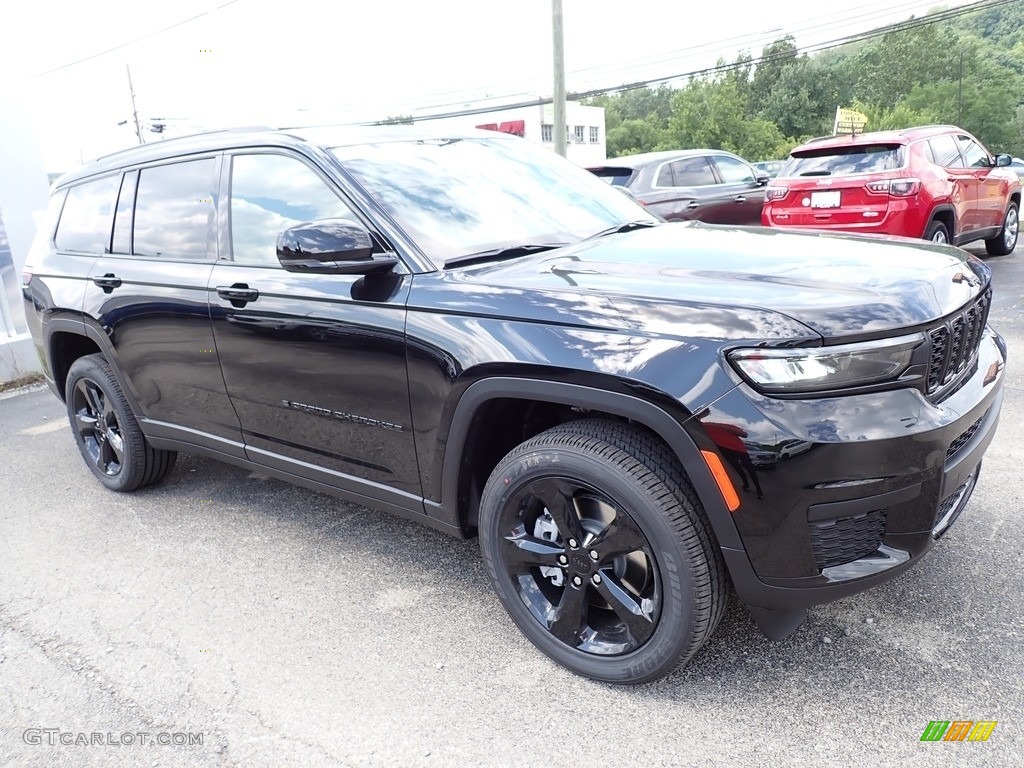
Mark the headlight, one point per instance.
(823, 368)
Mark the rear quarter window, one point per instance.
(87, 216)
(845, 161)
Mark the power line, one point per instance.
(759, 39)
(136, 40)
(936, 18)
(750, 38)
(691, 54)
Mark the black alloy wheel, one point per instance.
(106, 431)
(580, 565)
(97, 427)
(600, 551)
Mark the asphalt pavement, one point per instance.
(247, 622)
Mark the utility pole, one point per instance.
(960, 92)
(559, 128)
(135, 112)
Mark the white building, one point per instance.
(23, 198)
(585, 139)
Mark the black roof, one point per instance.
(322, 137)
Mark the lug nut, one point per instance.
(594, 556)
(562, 559)
(577, 580)
(597, 578)
(572, 543)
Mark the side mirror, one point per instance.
(334, 246)
(1003, 161)
(762, 179)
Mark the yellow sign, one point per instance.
(849, 121)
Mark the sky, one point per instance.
(203, 64)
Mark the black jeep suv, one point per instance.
(471, 332)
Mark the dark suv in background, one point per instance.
(692, 184)
(471, 332)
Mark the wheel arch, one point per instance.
(945, 213)
(68, 339)
(591, 401)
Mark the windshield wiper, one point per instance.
(627, 227)
(506, 252)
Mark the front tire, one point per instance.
(108, 436)
(1004, 243)
(601, 552)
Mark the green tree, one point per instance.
(775, 58)
(631, 137)
(710, 113)
(888, 68)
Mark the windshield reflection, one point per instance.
(455, 198)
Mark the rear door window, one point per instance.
(845, 161)
(174, 210)
(692, 172)
(87, 216)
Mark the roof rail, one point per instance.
(163, 142)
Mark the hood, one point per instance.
(838, 285)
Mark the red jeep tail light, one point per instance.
(775, 193)
(904, 187)
(895, 187)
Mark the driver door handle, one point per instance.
(693, 204)
(108, 282)
(740, 199)
(238, 294)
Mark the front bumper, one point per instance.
(845, 493)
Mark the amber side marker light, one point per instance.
(732, 500)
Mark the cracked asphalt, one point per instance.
(283, 627)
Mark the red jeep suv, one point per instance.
(937, 182)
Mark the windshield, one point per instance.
(843, 161)
(456, 197)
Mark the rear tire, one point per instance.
(937, 233)
(108, 436)
(1004, 243)
(601, 552)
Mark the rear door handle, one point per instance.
(239, 294)
(740, 199)
(693, 204)
(108, 282)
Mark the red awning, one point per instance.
(515, 127)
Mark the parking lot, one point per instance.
(291, 628)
